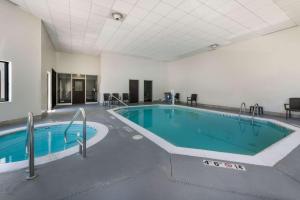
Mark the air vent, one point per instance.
(213, 46)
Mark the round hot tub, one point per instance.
(49, 143)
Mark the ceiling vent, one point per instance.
(213, 46)
(117, 16)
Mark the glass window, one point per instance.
(78, 86)
(4, 82)
(64, 88)
(91, 88)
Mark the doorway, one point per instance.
(133, 91)
(49, 98)
(78, 91)
(53, 91)
(147, 91)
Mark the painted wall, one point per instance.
(20, 43)
(48, 62)
(265, 70)
(77, 63)
(116, 70)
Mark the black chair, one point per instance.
(168, 97)
(192, 98)
(114, 98)
(258, 111)
(106, 99)
(292, 106)
(125, 97)
(177, 97)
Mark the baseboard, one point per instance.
(235, 109)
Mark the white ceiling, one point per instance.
(158, 29)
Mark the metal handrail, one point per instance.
(254, 111)
(82, 144)
(243, 105)
(122, 102)
(30, 146)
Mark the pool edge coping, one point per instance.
(278, 150)
(101, 132)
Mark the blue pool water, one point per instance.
(199, 129)
(49, 139)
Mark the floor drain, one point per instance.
(137, 137)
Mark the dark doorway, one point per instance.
(147, 91)
(53, 83)
(134, 91)
(78, 91)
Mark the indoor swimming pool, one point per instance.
(205, 133)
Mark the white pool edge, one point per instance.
(101, 132)
(268, 157)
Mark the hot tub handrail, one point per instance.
(82, 144)
(30, 146)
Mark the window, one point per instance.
(4, 87)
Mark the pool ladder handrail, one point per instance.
(243, 105)
(30, 146)
(119, 100)
(254, 111)
(82, 143)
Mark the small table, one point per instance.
(260, 110)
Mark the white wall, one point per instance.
(77, 63)
(116, 70)
(20, 43)
(265, 70)
(48, 62)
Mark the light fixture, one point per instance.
(117, 16)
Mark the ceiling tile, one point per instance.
(163, 9)
(158, 29)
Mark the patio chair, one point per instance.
(125, 97)
(106, 99)
(292, 106)
(192, 98)
(177, 97)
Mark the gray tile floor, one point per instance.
(119, 167)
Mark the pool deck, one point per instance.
(119, 167)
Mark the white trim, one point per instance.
(64, 104)
(100, 134)
(268, 157)
(94, 102)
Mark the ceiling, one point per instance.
(158, 29)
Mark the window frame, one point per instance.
(6, 82)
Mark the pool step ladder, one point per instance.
(255, 110)
(80, 140)
(242, 109)
(29, 145)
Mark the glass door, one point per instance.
(91, 88)
(64, 88)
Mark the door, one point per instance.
(147, 91)
(53, 83)
(78, 91)
(134, 91)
